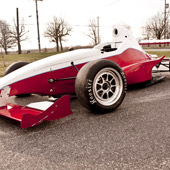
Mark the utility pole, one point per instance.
(38, 29)
(18, 33)
(165, 19)
(166, 5)
(98, 30)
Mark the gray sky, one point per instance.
(77, 13)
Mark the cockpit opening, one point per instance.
(108, 48)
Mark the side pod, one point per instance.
(28, 116)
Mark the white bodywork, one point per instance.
(122, 40)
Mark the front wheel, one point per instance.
(101, 86)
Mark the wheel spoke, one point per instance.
(113, 86)
(113, 89)
(113, 82)
(104, 76)
(107, 77)
(110, 81)
(100, 93)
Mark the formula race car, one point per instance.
(99, 76)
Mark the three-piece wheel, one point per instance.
(101, 86)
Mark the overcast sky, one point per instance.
(77, 13)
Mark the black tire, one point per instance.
(15, 66)
(101, 86)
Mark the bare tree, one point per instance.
(167, 25)
(93, 32)
(52, 31)
(64, 31)
(156, 27)
(146, 32)
(2, 58)
(6, 39)
(57, 30)
(168, 31)
(21, 35)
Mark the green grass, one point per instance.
(9, 59)
(160, 53)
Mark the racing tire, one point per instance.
(101, 86)
(13, 67)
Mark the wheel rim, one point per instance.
(107, 86)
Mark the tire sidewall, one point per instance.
(93, 69)
(15, 66)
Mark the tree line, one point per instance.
(56, 31)
(157, 27)
(9, 35)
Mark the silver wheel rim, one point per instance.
(108, 86)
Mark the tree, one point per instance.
(19, 34)
(167, 26)
(93, 32)
(64, 31)
(57, 30)
(6, 39)
(156, 27)
(168, 31)
(147, 34)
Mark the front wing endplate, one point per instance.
(29, 117)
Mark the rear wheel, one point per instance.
(14, 67)
(101, 86)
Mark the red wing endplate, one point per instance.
(29, 117)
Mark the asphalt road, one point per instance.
(135, 136)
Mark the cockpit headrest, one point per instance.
(121, 33)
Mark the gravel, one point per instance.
(134, 137)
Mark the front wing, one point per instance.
(29, 117)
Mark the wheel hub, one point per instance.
(106, 86)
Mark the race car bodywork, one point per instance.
(56, 75)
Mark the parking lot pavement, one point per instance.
(135, 136)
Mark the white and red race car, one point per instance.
(99, 76)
